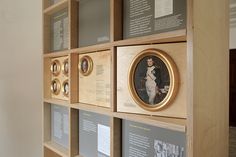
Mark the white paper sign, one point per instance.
(104, 139)
(163, 8)
(57, 132)
(66, 124)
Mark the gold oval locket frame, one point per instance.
(65, 70)
(65, 93)
(173, 75)
(58, 86)
(90, 65)
(58, 66)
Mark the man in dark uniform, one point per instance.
(153, 80)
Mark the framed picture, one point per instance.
(55, 86)
(65, 67)
(55, 67)
(153, 79)
(65, 88)
(85, 65)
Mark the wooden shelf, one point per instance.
(57, 148)
(57, 102)
(173, 36)
(162, 122)
(92, 108)
(56, 7)
(56, 54)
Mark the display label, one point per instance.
(60, 125)
(141, 140)
(94, 22)
(145, 17)
(94, 128)
(59, 31)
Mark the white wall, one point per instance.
(232, 40)
(20, 78)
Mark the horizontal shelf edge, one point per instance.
(162, 122)
(175, 124)
(57, 102)
(57, 54)
(167, 37)
(92, 108)
(56, 7)
(57, 148)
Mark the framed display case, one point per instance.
(147, 77)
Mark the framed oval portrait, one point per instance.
(55, 67)
(55, 86)
(153, 79)
(65, 67)
(85, 65)
(65, 88)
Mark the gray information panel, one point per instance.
(60, 125)
(145, 17)
(141, 140)
(94, 22)
(54, 1)
(59, 31)
(94, 134)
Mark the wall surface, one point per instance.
(20, 78)
(232, 24)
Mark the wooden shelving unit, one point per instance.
(206, 38)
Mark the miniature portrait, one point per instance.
(55, 67)
(86, 65)
(66, 88)
(55, 86)
(152, 79)
(66, 67)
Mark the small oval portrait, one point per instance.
(55, 67)
(55, 86)
(153, 79)
(85, 65)
(65, 88)
(65, 67)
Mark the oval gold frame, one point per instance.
(173, 74)
(58, 86)
(63, 89)
(56, 73)
(66, 61)
(90, 65)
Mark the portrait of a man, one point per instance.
(66, 88)
(85, 65)
(151, 80)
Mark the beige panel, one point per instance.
(95, 88)
(61, 77)
(125, 103)
(208, 47)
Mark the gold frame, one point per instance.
(90, 65)
(57, 62)
(173, 73)
(63, 89)
(63, 67)
(58, 86)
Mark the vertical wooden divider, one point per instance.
(116, 137)
(208, 76)
(46, 78)
(116, 20)
(74, 132)
(73, 77)
(46, 33)
(73, 23)
(46, 122)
